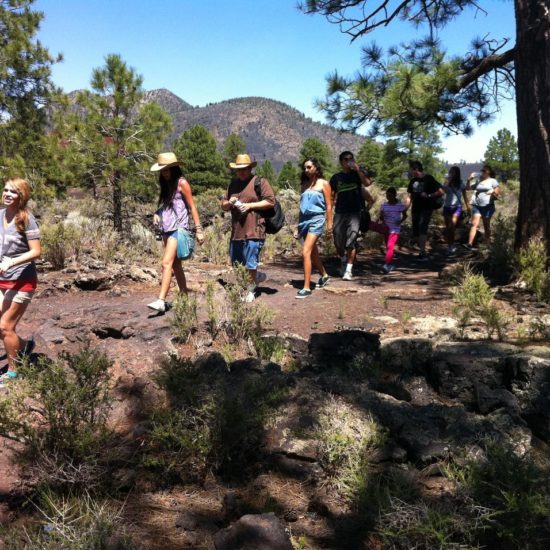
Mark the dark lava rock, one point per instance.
(254, 532)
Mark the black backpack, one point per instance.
(274, 217)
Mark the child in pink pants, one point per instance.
(392, 214)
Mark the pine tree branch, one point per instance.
(485, 65)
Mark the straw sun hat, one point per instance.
(242, 161)
(165, 160)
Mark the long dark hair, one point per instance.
(318, 169)
(454, 176)
(169, 187)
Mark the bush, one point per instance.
(474, 298)
(71, 523)
(184, 320)
(532, 268)
(210, 421)
(59, 410)
(215, 248)
(60, 242)
(501, 248)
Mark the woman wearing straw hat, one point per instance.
(175, 203)
(20, 246)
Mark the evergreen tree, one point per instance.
(418, 84)
(25, 85)
(369, 156)
(393, 167)
(288, 177)
(111, 138)
(314, 148)
(203, 165)
(502, 155)
(266, 170)
(232, 146)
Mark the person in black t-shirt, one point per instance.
(348, 193)
(423, 189)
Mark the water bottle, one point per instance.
(237, 203)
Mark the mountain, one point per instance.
(272, 130)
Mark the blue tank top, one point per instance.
(312, 203)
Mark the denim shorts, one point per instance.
(483, 211)
(246, 252)
(313, 224)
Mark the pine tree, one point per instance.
(25, 85)
(113, 139)
(288, 177)
(203, 165)
(266, 170)
(314, 148)
(232, 146)
(418, 84)
(369, 156)
(502, 155)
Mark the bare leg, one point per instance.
(309, 243)
(167, 262)
(316, 260)
(180, 275)
(473, 228)
(11, 315)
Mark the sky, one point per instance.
(206, 51)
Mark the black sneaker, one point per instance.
(323, 281)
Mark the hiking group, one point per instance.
(339, 207)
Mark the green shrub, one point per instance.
(60, 241)
(532, 267)
(245, 320)
(185, 319)
(59, 408)
(215, 248)
(474, 297)
(501, 248)
(71, 523)
(211, 422)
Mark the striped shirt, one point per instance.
(392, 215)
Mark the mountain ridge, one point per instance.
(271, 129)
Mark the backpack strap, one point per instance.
(258, 187)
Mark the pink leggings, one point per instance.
(391, 238)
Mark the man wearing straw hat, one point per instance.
(247, 227)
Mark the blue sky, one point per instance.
(207, 51)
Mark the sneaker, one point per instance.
(348, 276)
(387, 268)
(323, 281)
(158, 305)
(261, 277)
(304, 293)
(7, 377)
(249, 297)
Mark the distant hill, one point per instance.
(271, 129)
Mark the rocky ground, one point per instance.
(433, 396)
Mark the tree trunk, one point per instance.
(116, 183)
(532, 68)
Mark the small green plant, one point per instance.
(71, 522)
(345, 439)
(245, 320)
(532, 268)
(215, 248)
(385, 302)
(538, 328)
(212, 318)
(474, 297)
(269, 348)
(60, 241)
(185, 319)
(501, 248)
(406, 316)
(59, 410)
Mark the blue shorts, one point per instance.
(483, 211)
(312, 224)
(450, 211)
(246, 253)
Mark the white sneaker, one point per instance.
(158, 305)
(347, 276)
(249, 297)
(261, 277)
